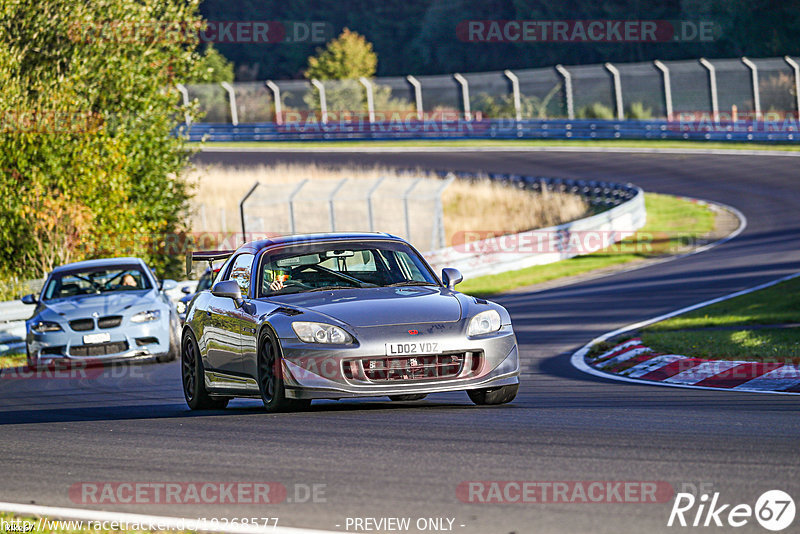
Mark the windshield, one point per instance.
(96, 280)
(303, 268)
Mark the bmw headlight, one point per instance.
(45, 326)
(321, 333)
(484, 322)
(180, 307)
(146, 316)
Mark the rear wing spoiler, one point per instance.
(206, 255)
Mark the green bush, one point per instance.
(596, 111)
(88, 163)
(637, 111)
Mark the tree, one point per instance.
(348, 56)
(89, 165)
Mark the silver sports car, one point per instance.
(332, 316)
(100, 311)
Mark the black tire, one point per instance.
(174, 342)
(408, 397)
(194, 387)
(488, 396)
(270, 377)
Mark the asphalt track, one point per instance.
(381, 459)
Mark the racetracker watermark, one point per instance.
(35, 121)
(564, 492)
(195, 492)
(586, 31)
(729, 122)
(72, 369)
(212, 31)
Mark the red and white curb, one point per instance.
(631, 361)
(634, 360)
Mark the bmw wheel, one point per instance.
(408, 397)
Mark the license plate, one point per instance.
(89, 339)
(412, 348)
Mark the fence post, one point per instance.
(712, 84)
(617, 90)
(796, 68)
(372, 189)
(330, 203)
(515, 88)
(667, 87)
(756, 92)
(241, 209)
(276, 99)
(568, 100)
(406, 194)
(370, 100)
(464, 95)
(323, 104)
(291, 204)
(232, 100)
(185, 94)
(417, 95)
(438, 237)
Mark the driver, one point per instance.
(129, 281)
(279, 279)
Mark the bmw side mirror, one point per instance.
(228, 289)
(167, 285)
(186, 290)
(451, 277)
(29, 299)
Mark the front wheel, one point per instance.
(488, 396)
(270, 378)
(194, 387)
(174, 343)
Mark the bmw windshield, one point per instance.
(94, 281)
(329, 266)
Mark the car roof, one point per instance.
(102, 262)
(256, 246)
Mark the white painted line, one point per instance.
(579, 362)
(651, 365)
(166, 523)
(433, 149)
(617, 348)
(623, 357)
(701, 372)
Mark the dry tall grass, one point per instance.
(468, 206)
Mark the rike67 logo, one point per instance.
(774, 510)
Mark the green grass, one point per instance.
(764, 345)
(12, 360)
(779, 304)
(672, 223)
(477, 143)
(774, 305)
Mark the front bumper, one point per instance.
(129, 341)
(484, 362)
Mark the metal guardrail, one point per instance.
(787, 131)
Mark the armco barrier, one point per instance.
(785, 131)
(623, 213)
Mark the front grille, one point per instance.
(99, 349)
(109, 322)
(427, 367)
(80, 325)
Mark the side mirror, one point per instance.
(186, 290)
(29, 299)
(167, 285)
(228, 289)
(451, 277)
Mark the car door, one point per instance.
(224, 321)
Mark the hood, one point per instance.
(379, 306)
(102, 304)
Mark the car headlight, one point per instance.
(45, 326)
(484, 322)
(321, 333)
(146, 316)
(180, 307)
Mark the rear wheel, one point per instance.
(409, 397)
(487, 396)
(270, 378)
(194, 387)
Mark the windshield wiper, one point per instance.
(326, 288)
(411, 283)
